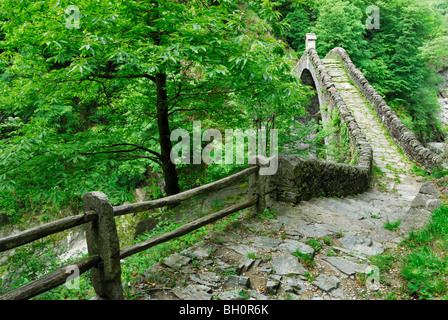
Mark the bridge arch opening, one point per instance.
(313, 109)
(307, 78)
(312, 116)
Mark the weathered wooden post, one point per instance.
(102, 239)
(257, 183)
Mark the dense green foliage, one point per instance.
(398, 57)
(93, 108)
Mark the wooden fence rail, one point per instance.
(217, 185)
(47, 229)
(51, 280)
(104, 252)
(187, 228)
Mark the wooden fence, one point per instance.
(103, 246)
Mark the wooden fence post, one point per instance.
(102, 239)
(257, 184)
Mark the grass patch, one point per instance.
(305, 258)
(418, 171)
(326, 240)
(392, 226)
(374, 216)
(315, 244)
(426, 271)
(384, 261)
(311, 277)
(252, 255)
(425, 267)
(269, 213)
(421, 260)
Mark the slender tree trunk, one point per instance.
(169, 168)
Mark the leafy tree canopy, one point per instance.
(92, 108)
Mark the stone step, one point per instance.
(321, 214)
(347, 210)
(378, 214)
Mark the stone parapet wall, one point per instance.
(299, 179)
(401, 135)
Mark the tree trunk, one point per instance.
(169, 168)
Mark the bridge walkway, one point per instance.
(397, 168)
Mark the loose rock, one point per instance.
(294, 285)
(291, 246)
(347, 267)
(362, 245)
(228, 295)
(176, 261)
(266, 242)
(244, 264)
(236, 281)
(272, 286)
(193, 292)
(326, 283)
(287, 264)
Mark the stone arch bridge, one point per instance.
(377, 135)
